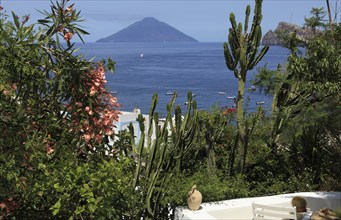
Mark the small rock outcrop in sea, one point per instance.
(284, 29)
(148, 29)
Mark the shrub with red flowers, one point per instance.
(55, 111)
(96, 119)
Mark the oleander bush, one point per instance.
(56, 118)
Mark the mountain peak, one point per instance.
(149, 29)
(285, 28)
(149, 19)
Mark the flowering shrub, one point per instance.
(98, 117)
(55, 111)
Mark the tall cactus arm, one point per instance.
(169, 119)
(233, 29)
(247, 16)
(237, 54)
(141, 120)
(230, 63)
(258, 10)
(139, 160)
(243, 57)
(178, 119)
(257, 18)
(233, 39)
(258, 36)
(151, 157)
(240, 29)
(189, 133)
(156, 123)
(187, 128)
(154, 103)
(189, 98)
(155, 175)
(150, 190)
(235, 49)
(190, 138)
(182, 124)
(155, 161)
(170, 123)
(259, 57)
(191, 124)
(188, 113)
(132, 135)
(152, 144)
(171, 105)
(150, 122)
(253, 45)
(236, 73)
(233, 45)
(160, 193)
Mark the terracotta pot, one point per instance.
(194, 199)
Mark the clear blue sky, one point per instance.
(205, 20)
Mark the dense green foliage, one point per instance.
(56, 119)
(306, 107)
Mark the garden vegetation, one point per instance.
(56, 119)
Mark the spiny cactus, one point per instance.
(242, 47)
(241, 55)
(164, 151)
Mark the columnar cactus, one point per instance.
(241, 55)
(164, 153)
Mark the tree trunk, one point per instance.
(330, 17)
(240, 118)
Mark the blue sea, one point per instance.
(143, 69)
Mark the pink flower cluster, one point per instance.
(97, 80)
(9, 91)
(67, 31)
(25, 19)
(96, 111)
(68, 36)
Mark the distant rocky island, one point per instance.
(148, 29)
(285, 28)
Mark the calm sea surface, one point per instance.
(143, 69)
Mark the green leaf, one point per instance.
(111, 65)
(50, 31)
(79, 209)
(56, 186)
(92, 208)
(81, 31)
(16, 20)
(43, 21)
(56, 207)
